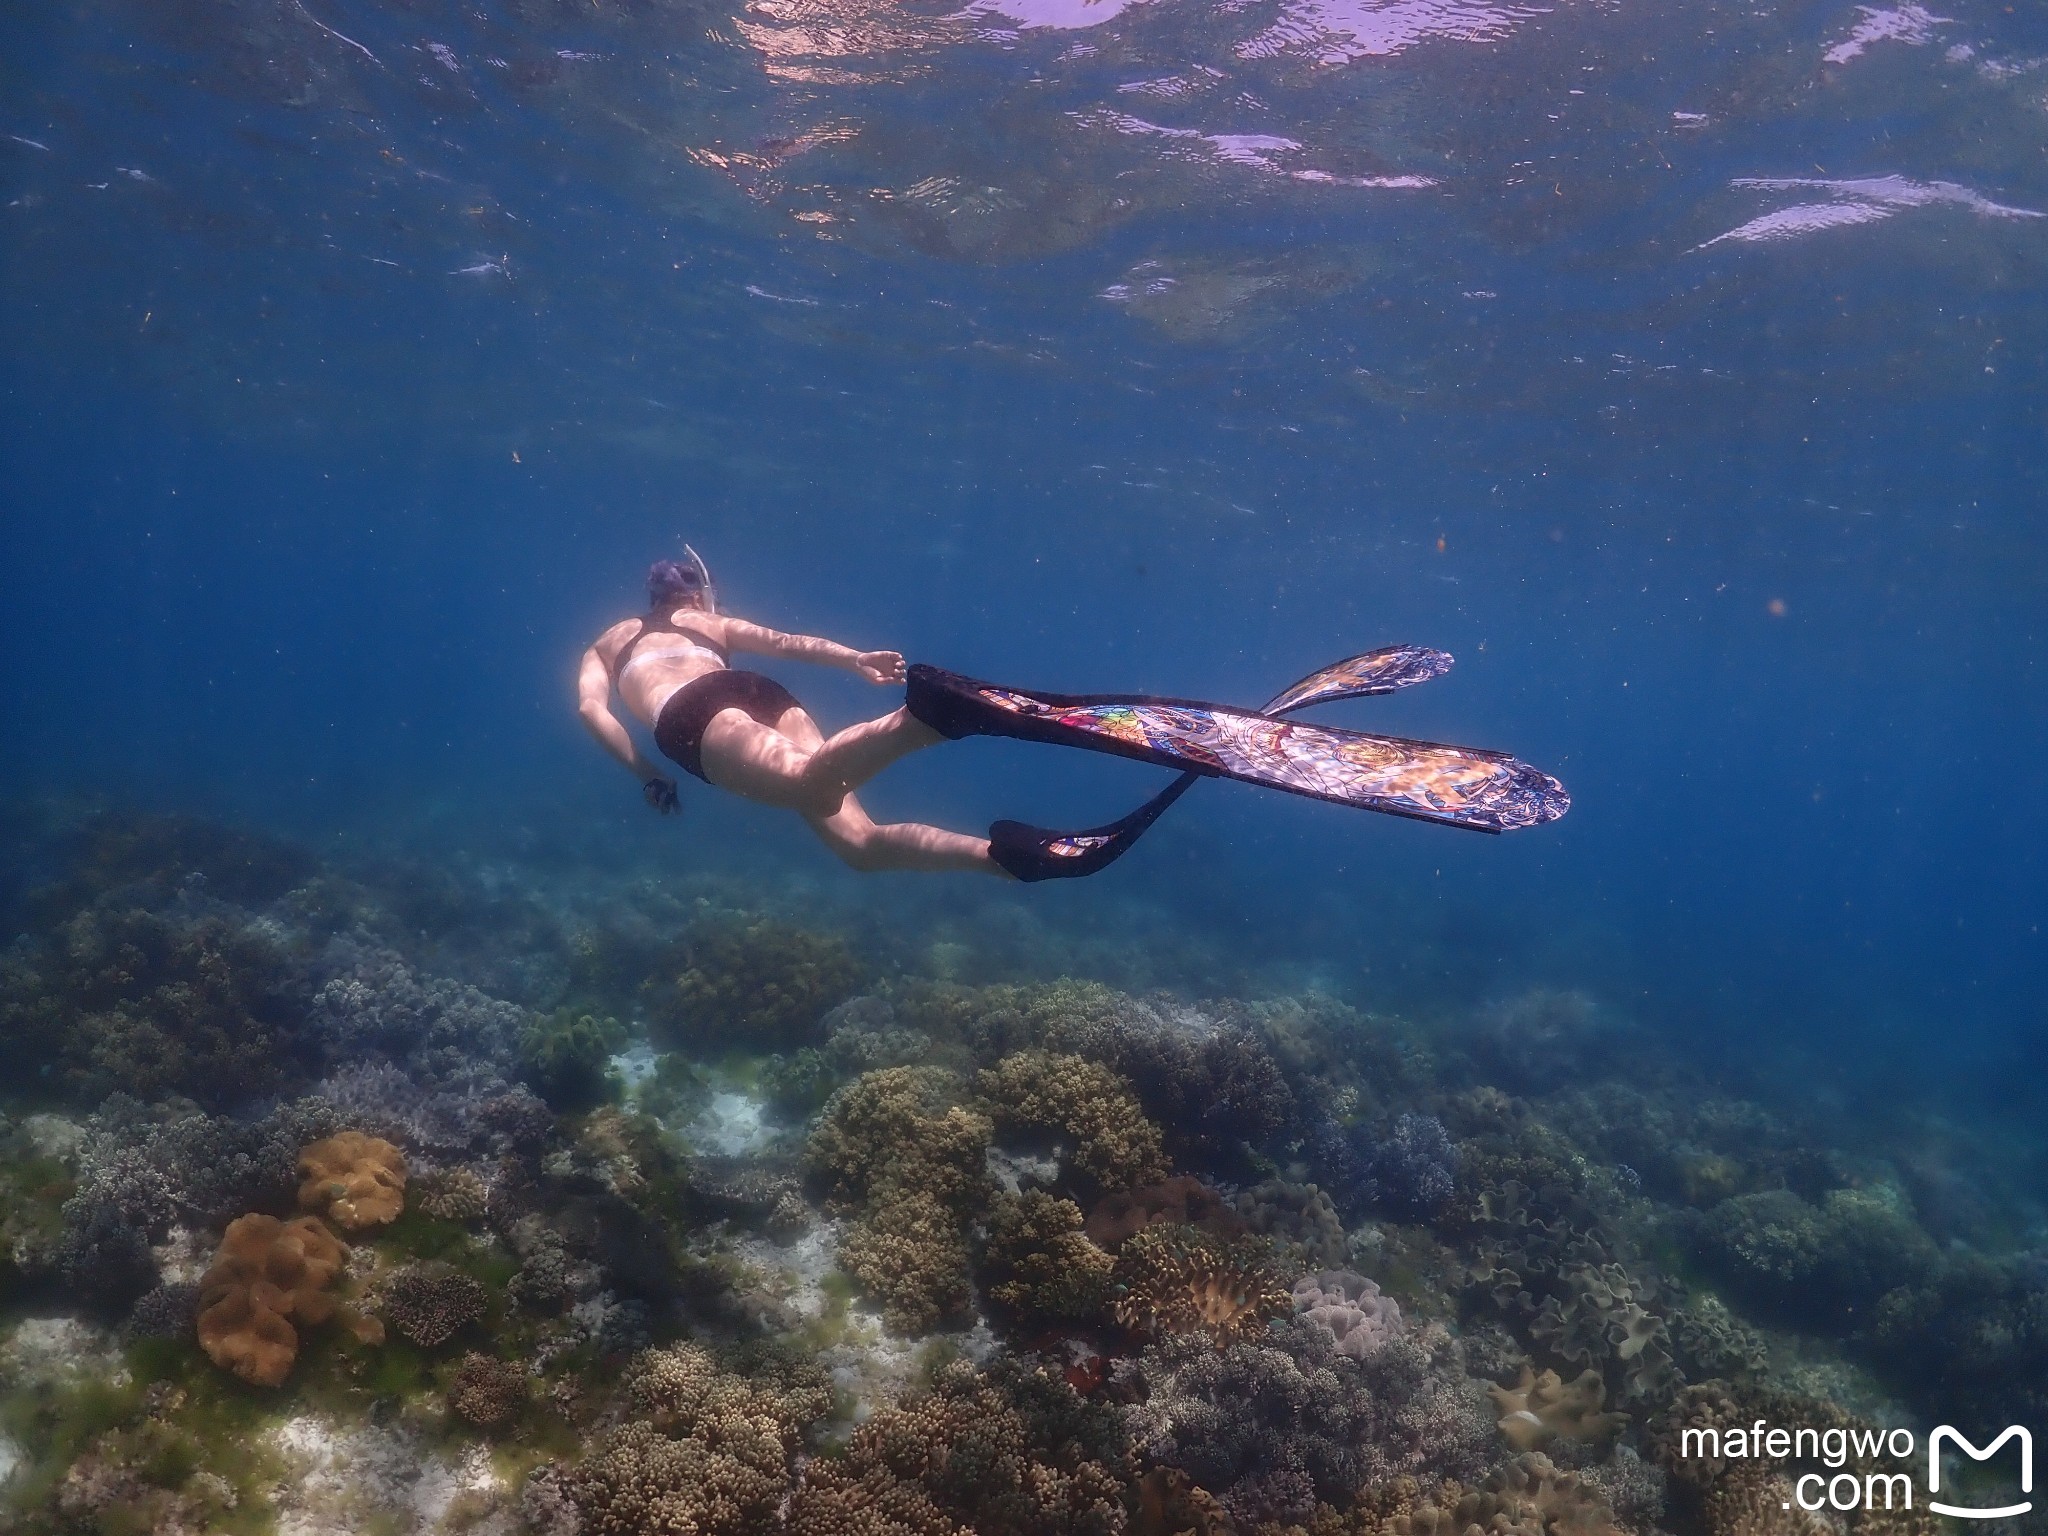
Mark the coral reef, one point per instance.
(123, 999)
(1040, 1266)
(1360, 1320)
(267, 1274)
(1541, 1409)
(901, 1129)
(1182, 1200)
(1273, 1426)
(565, 1058)
(1108, 1143)
(711, 1459)
(353, 1180)
(1298, 1218)
(760, 983)
(1014, 1453)
(442, 1032)
(910, 1254)
(487, 1392)
(1175, 1280)
(452, 1194)
(1822, 1262)
(430, 1303)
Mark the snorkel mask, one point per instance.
(677, 580)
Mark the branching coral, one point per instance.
(355, 1181)
(1288, 1419)
(1527, 1497)
(565, 1057)
(1016, 1454)
(266, 1274)
(900, 1130)
(487, 1392)
(1174, 1280)
(761, 984)
(156, 1003)
(1828, 1261)
(1110, 1144)
(430, 1303)
(452, 1194)
(910, 1254)
(1540, 1409)
(712, 1458)
(1041, 1266)
(441, 1031)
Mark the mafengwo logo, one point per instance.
(1857, 1457)
(1944, 1433)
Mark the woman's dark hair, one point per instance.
(671, 580)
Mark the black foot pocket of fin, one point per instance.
(1039, 853)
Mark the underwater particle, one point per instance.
(1177, 1280)
(1775, 607)
(1540, 1409)
(487, 1392)
(356, 1181)
(267, 1273)
(430, 1303)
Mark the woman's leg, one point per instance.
(905, 845)
(858, 753)
(771, 765)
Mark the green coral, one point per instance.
(1040, 1267)
(132, 1001)
(762, 984)
(565, 1057)
(1830, 1259)
(1110, 1144)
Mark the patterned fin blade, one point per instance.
(1355, 677)
(1427, 780)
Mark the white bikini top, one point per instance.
(662, 652)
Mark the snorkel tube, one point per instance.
(695, 562)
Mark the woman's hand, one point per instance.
(881, 667)
(660, 792)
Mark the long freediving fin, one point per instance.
(1430, 781)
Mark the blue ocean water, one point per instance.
(1677, 367)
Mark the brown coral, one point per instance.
(1041, 1266)
(1110, 1143)
(1182, 1200)
(1540, 1409)
(974, 1457)
(910, 1254)
(487, 1392)
(1174, 1280)
(356, 1181)
(712, 1458)
(762, 984)
(1528, 1496)
(455, 1194)
(900, 1130)
(267, 1273)
(429, 1303)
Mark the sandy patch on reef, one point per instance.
(342, 1479)
(40, 1349)
(867, 1362)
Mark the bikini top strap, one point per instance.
(665, 624)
